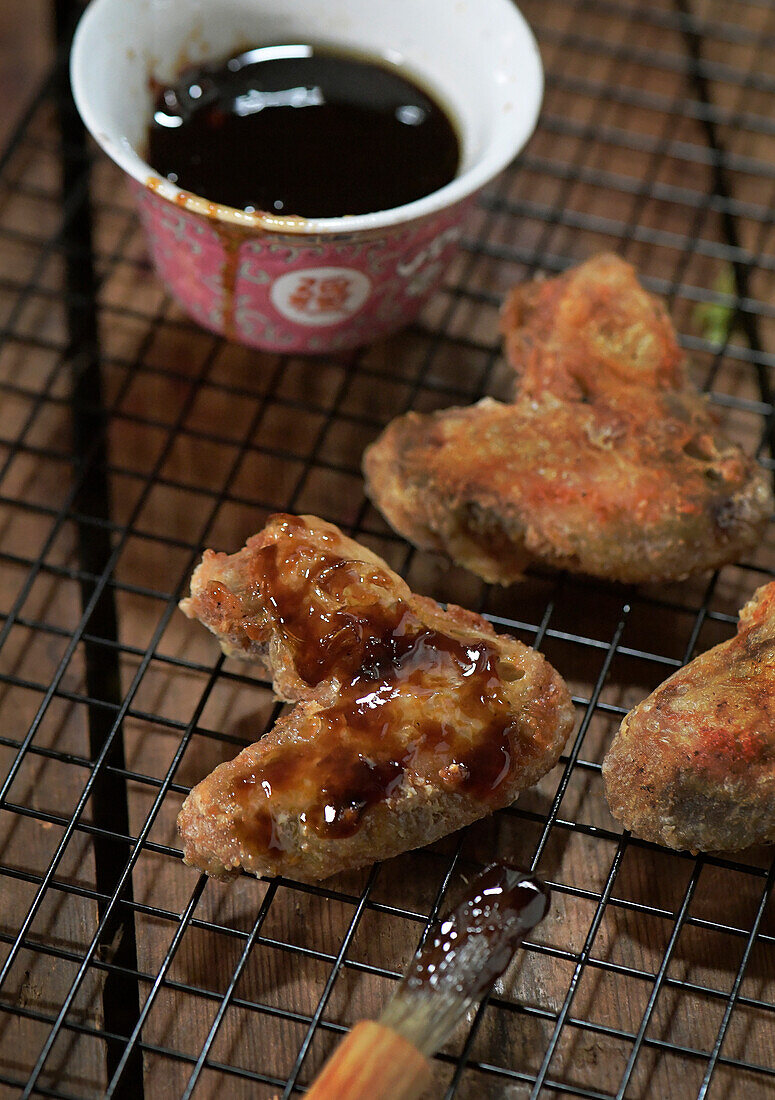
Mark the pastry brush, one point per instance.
(463, 954)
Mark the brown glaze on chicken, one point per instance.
(411, 721)
(693, 765)
(608, 462)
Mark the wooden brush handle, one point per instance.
(373, 1063)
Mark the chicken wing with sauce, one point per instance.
(410, 720)
(608, 462)
(693, 765)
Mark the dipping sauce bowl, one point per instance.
(295, 284)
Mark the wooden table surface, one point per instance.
(205, 439)
(25, 53)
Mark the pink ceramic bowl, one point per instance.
(308, 284)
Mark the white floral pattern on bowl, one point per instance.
(298, 294)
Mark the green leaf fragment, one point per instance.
(715, 320)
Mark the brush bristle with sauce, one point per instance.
(456, 966)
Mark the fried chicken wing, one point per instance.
(592, 330)
(693, 765)
(608, 462)
(410, 720)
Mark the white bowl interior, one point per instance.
(477, 56)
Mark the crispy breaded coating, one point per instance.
(693, 765)
(593, 330)
(608, 462)
(411, 720)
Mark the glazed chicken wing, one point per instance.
(411, 721)
(693, 765)
(608, 462)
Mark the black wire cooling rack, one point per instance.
(131, 439)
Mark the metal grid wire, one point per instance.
(131, 439)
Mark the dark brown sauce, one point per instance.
(303, 131)
(472, 946)
(381, 656)
(229, 271)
